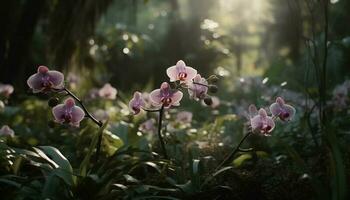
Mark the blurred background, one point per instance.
(259, 49)
(129, 42)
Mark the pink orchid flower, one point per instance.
(101, 115)
(340, 96)
(108, 92)
(284, 111)
(148, 126)
(6, 90)
(197, 91)
(6, 131)
(184, 117)
(262, 123)
(136, 103)
(181, 72)
(165, 96)
(45, 80)
(68, 113)
(253, 111)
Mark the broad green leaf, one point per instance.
(64, 169)
(240, 159)
(113, 142)
(85, 164)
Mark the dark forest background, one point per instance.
(127, 42)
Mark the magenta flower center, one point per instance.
(136, 107)
(182, 76)
(166, 101)
(46, 82)
(284, 115)
(67, 116)
(266, 128)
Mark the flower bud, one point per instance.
(208, 101)
(53, 101)
(213, 79)
(213, 88)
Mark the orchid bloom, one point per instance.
(340, 96)
(198, 91)
(184, 117)
(6, 90)
(147, 126)
(340, 91)
(6, 131)
(181, 72)
(165, 96)
(253, 111)
(136, 103)
(284, 111)
(68, 113)
(101, 115)
(262, 123)
(108, 92)
(45, 80)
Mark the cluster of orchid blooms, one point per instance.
(168, 95)
(260, 122)
(46, 80)
(182, 77)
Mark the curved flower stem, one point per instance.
(229, 158)
(162, 144)
(89, 115)
(149, 110)
(200, 84)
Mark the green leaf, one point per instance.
(64, 169)
(85, 164)
(10, 182)
(121, 130)
(113, 142)
(338, 183)
(240, 159)
(195, 176)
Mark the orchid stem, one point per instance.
(229, 158)
(162, 144)
(89, 115)
(149, 110)
(200, 84)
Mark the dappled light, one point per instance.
(177, 99)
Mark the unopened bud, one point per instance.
(213, 79)
(213, 88)
(208, 101)
(53, 101)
